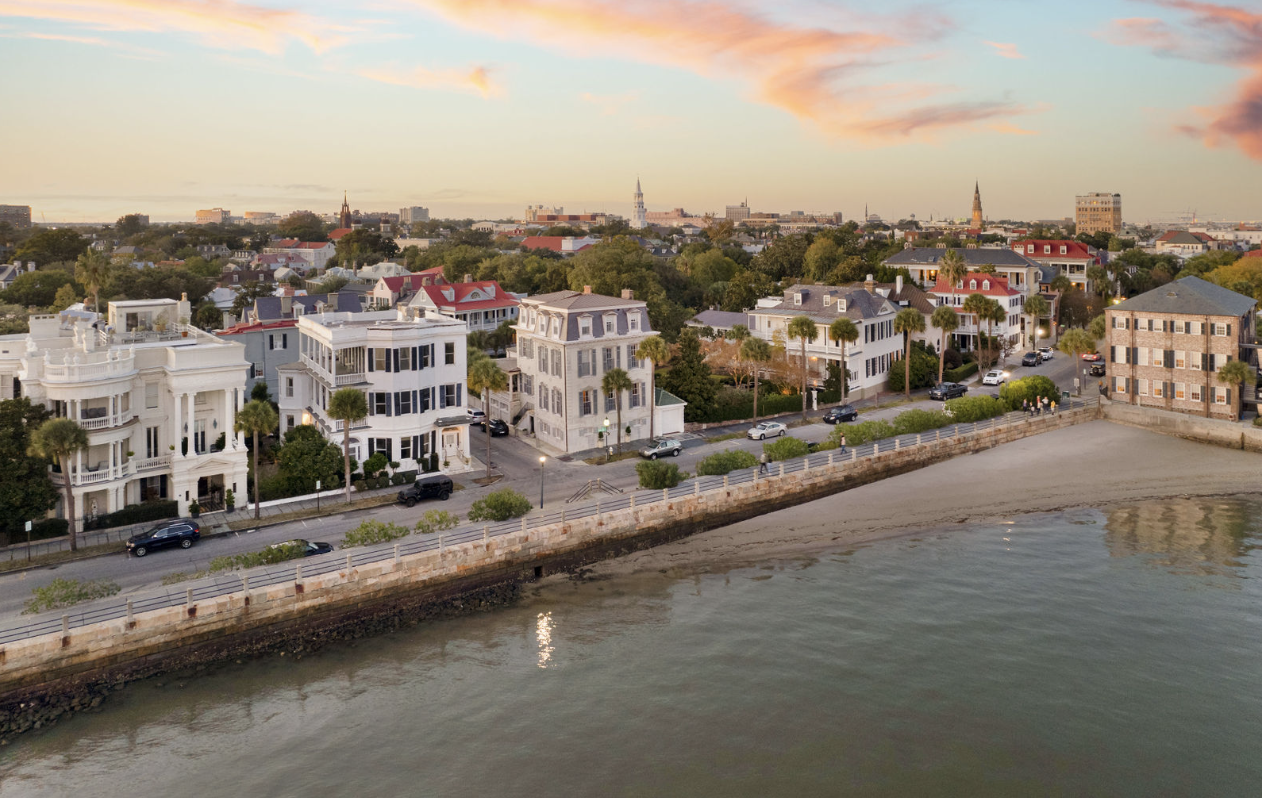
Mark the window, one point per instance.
(1220, 396)
(1158, 389)
(611, 324)
(405, 402)
(1179, 391)
(586, 362)
(382, 445)
(289, 422)
(637, 394)
(633, 321)
(1119, 384)
(611, 402)
(451, 395)
(527, 348)
(1196, 393)
(556, 327)
(543, 360)
(607, 352)
(556, 363)
(405, 447)
(1180, 360)
(543, 396)
(380, 404)
(632, 361)
(1194, 362)
(426, 356)
(151, 395)
(405, 359)
(380, 359)
(1194, 328)
(271, 340)
(151, 442)
(1220, 329)
(449, 353)
(1142, 389)
(972, 284)
(586, 402)
(528, 385)
(289, 387)
(556, 401)
(585, 327)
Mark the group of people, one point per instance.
(1040, 405)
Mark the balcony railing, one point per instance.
(351, 379)
(151, 463)
(107, 422)
(88, 372)
(93, 477)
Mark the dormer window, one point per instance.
(633, 321)
(1064, 250)
(828, 300)
(1029, 248)
(585, 327)
(972, 284)
(1047, 249)
(797, 299)
(985, 285)
(611, 325)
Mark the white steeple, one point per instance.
(639, 219)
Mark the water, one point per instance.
(1085, 654)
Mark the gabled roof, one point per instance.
(338, 233)
(481, 295)
(860, 304)
(1074, 250)
(982, 256)
(1256, 253)
(664, 398)
(1183, 237)
(998, 285)
(1192, 296)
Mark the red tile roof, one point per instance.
(245, 326)
(1169, 234)
(338, 233)
(1257, 253)
(549, 242)
(460, 291)
(1075, 250)
(998, 285)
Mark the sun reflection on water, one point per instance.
(543, 634)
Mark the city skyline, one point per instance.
(479, 108)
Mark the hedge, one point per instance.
(968, 409)
(785, 449)
(741, 405)
(134, 514)
(1015, 392)
(960, 374)
(500, 505)
(720, 463)
(48, 528)
(370, 532)
(909, 422)
(657, 475)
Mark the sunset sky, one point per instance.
(479, 107)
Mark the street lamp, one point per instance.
(542, 460)
(608, 448)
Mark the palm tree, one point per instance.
(59, 439)
(995, 314)
(976, 305)
(1036, 307)
(485, 376)
(948, 321)
(1237, 373)
(756, 351)
(615, 382)
(656, 352)
(90, 270)
(1075, 342)
(803, 328)
(1062, 285)
(739, 332)
(954, 268)
(347, 405)
(843, 331)
(255, 418)
(908, 321)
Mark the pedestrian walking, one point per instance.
(1038, 405)
(843, 443)
(1025, 406)
(1047, 403)
(1053, 407)
(762, 463)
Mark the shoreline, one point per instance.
(988, 487)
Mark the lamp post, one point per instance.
(542, 460)
(608, 448)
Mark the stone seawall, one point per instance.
(1216, 431)
(41, 678)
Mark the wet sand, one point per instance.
(1098, 464)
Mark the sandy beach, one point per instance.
(1098, 464)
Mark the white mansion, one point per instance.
(154, 395)
(410, 367)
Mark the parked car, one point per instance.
(435, 487)
(495, 426)
(836, 415)
(947, 390)
(182, 532)
(1091, 357)
(309, 549)
(475, 416)
(661, 447)
(995, 377)
(1031, 359)
(1046, 353)
(767, 429)
(1097, 369)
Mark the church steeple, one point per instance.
(977, 206)
(639, 216)
(344, 218)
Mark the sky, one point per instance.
(477, 108)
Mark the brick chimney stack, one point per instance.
(587, 289)
(870, 285)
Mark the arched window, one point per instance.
(972, 284)
(986, 285)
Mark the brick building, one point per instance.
(1166, 346)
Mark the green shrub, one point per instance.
(360, 485)
(135, 514)
(436, 521)
(251, 559)
(785, 449)
(924, 370)
(48, 528)
(862, 432)
(960, 374)
(229, 499)
(1257, 421)
(370, 532)
(910, 422)
(657, 475)
(61, 593)
(975, 408)
(499, 505)
(375, 464)
(721, 463)
(1015, 392)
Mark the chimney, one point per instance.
(870, 285)
(228, 319)
(30, 265)
(627, 293)
(898, 285)
(587, 289)
(286, 305)
(468, 278)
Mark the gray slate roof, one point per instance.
(664, 398)
(268, 307)
(720, 319)
(860, 304)
(1192, 296)
(577, 300)
(931, 256)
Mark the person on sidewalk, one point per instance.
(1025, 406)
(1047, 404)
(1053, 407)
(843, 443)
(762, 463)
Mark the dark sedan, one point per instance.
(182, 532)
(496, 427)
(309, 548)
(1031, 359)
(947, 390)
(837, 415)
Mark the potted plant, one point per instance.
(230, 500)
(194, 509)
(160, 323)
(183, 326)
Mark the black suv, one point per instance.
(1031, 359)
(1097, 369)
(436, 487)
(182, 532)
(839, 414)
(947, 390)
(496, 427)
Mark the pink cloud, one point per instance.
(1212, 33)
(142, 53)
(811, 72)
(475, 78)
(1006, 50)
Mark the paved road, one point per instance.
(516, 459)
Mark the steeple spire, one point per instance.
(977, 206)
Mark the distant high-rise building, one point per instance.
(344, 218)
(738, 213)
(261, 217)
(1098, 213)
(413, 214)
(213, 216)
(16, 215)
(977, 206)
(639, 217)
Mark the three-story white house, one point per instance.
(412, 371)
(566, 342)
(157, 398)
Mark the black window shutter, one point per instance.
(459, 390)
(1229, 335)
(371, 447)
(1228, 396)
(371, 361)
(1204, 362)
(395, 356)
(415, 402)
(372, 404)
(442, 398)
(397, 403)
(414, 365)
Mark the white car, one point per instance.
(995, 377)
(1046, 353)
(475, 416)
(767, 429)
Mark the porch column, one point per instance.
(225, 417)
(240, 404)
(190, 399)
(78, 463)
(175, 422)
